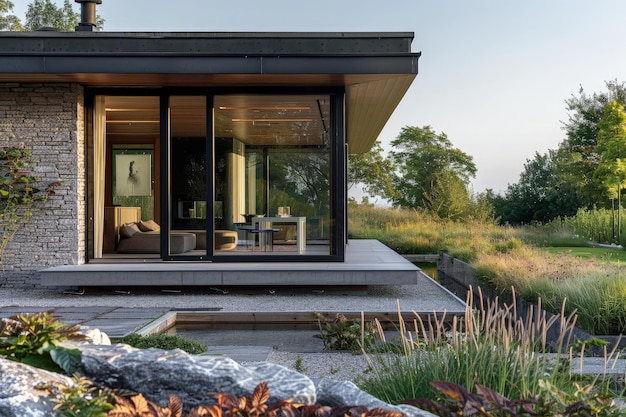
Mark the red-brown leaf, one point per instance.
(203, 411)
(260, 396)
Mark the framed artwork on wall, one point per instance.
(133, 175)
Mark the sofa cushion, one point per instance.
(150, 242)
(148, 226)
(128, 230)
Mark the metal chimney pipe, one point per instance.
(87, 15)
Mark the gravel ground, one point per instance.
(336, 365)
(426, 296)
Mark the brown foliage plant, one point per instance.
(231, 406)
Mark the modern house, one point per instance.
(194, 152)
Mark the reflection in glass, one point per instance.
(188, 208)
(270, 152)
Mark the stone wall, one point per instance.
(48, 119)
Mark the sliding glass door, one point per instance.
(187, 193)
(227, 177)
(272, 173)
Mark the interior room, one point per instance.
(251, 170)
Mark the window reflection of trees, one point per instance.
(300, 180)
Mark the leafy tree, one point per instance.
(581, 162)
(44, 13)
(611, 147)
(484, 206)
(373, 171)
(448, 197)
(541, 194)
(8, 21)
(422, 156)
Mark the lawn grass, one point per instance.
(610, 255)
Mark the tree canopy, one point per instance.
(40, 14)
(585, 113)
(423, 170)
(44, 13)
(424, 160)
(541, 194)
(8, 21)
(611, 146)
(372, 171)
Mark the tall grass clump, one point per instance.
(594, 290)
(598, 225)
(599, 299)
(489, 347)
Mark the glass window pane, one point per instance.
(188, 210)
(272, 163)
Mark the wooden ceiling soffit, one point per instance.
(369, 107)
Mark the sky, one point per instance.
(493, 76)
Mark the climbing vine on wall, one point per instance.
(20, 192)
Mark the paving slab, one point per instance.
(115, 322)
(116, 328)
(133, 313)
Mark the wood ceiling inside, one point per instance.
(257, 120)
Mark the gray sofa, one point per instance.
(145, 237)
(149, 242)
(134, 240)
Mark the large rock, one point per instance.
(157, 374)
(335, 393)
(19, 396)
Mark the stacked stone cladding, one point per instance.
(48, 119)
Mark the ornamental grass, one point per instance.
(488, 347)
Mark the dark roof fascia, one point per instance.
(62, 64)
(191, 43)
(207, 53)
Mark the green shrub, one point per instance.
(508, 245)
(81, 399)
(598, 225)
(466, 254)
(341, 333)
(33, 339)
(598, 300)
(559, 232)
(163, 341)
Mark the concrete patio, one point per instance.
(368, 262)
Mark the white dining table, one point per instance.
(267, 222)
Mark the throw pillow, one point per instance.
(149, 226)
(128, 230)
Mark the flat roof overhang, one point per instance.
(375, 68)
